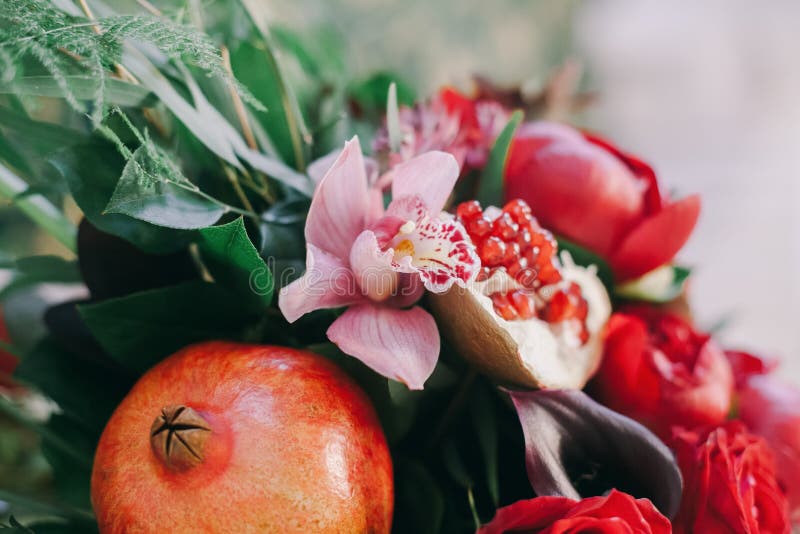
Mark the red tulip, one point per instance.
(590, 192)
(658, 370)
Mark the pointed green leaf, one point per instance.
(116, 92)
(145, 194)
(141, 329)
(235, 263)
(490, 192)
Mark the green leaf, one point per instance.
(234, 262)
(39, 269)
(483, 419)
(419, 504)
(586, 258)
(658, 286)
(91, 171)
(297, 130)
(81, 521)
(38, 209)
(46, 137)
(141, 329)
(370, 93)
(258, 75)
(116, 92)
(490, 191)
(145, 193)
(393, 119)
(85, 390)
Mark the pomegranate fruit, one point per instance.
(529, 319)
(224, 437)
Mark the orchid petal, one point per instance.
(575, 447)
(341, 205)
(431, 176)
(327, 283)
(399, 344)
(373, 267)
(656, 240)
(439, 250)
(317, 169)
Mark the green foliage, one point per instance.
(59, 41)
(490, 191)
(234, 262)
(142, 328)
(32, 270)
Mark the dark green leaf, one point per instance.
(81, 388)
(369, 95)
(483, 418)
(490, 191)
(419, 504)
(234, 262)
(92, 171)
(143, 192)
(141, 329)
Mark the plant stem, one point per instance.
(234, 180)
(38, 209)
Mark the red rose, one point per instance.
(729, 483)
(771, 409)
(616, 513)
(659, 371)
(584, 188)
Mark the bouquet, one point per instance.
(285, 300)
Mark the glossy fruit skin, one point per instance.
(296, 447)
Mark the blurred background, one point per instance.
(705, 91)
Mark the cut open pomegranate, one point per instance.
(530, 318)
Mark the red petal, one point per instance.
(656, 240)
(537, 513)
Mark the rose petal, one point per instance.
(656, 240)
(569, 437)
(399, 344)
(527, 515)
(341, 205)
(327, 283)
(431, 176)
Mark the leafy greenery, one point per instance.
(490, 192)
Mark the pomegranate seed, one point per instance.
(512, 253)
(503, 307)
(492, 251)
(504, 227)
(518, 209)
(524, 304)
(479, 227)
(467, 211)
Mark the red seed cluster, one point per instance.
(515, 243)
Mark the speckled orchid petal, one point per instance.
(327, 283)
(400, 344)
(431, 176)
(439, 250)
(340, 208)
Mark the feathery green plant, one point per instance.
(62, 42)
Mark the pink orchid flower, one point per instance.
(378, 263)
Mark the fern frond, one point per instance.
(61, 42)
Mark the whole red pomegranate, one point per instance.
(224, 437)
